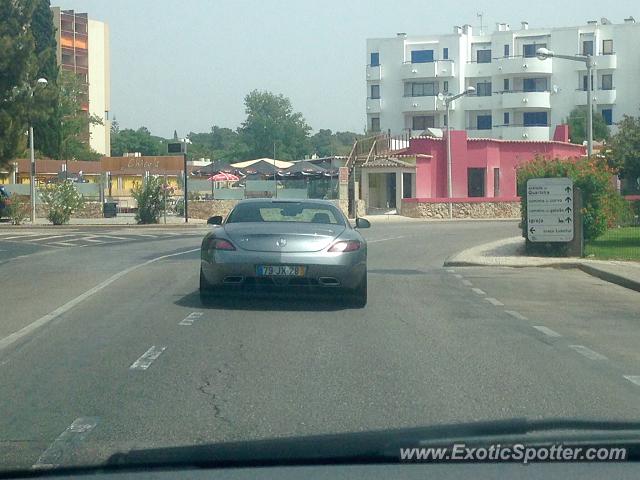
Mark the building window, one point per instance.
(423, 89)
(607, 82)
(422, 122)
(534, 85)
(375, 91)
(607, 114)
(496, 182)
(585, 83)
(422, 56)
(445, 53)
(445, 86)
(445, 118)
(535, 119)
(529, 50)
(587, 47)
(475, 182)
(483, 56)
(505, 118)
(375, 124)
(483, 122)
(375, 59)
(483, 89)
(507, 50)
(607, 47)
(505, 85)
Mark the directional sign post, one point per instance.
(550, 216)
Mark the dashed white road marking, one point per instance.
(189, 319)
(15, 336)
(147, 235)
(547, 331)
(114, 237)
(633, 379)
(515, 314)
(587, 352)
(384, 239)
(147, 358)
(494, 302)
(450, 271)
(60, 451)
(51, 237)
(64, 244)
(478, 291)
(467, 283)
(457, 275)
(93, 240)
(24, 235)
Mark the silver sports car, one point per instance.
(285, 243)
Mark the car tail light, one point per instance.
(345, 246)
(221, 244)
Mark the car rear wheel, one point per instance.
(359, 296)
(206, 289)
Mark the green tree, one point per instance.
(325, 143)
(272, 121)
(577, 122)
(48, 125)
(140, 140)
(624, 148)
(18, 68)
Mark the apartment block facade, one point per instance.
(518, 96)
(83, 48)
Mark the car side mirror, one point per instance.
(362, 223)
(215, 220)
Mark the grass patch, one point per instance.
(616, 244)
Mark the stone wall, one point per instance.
(435, 210)
(204, 209)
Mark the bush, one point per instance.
(61, 201)
(149, 197)
(603, 207)
(18, 208)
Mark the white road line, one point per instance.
(495, 302)
(64, 244)
(62, 447)
(92, 240)
(113, 236)
(147, 358)
(51, 237)
(189, 319)
(478, 291)
(384, 239)
(24, 235)
(633, 379)
(587, 352)
(515, 314)
(147, 235)
(14, 337)
(547, 331)
(457, 275)
(467, 283)
(451, 271)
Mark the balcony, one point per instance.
(479, 102)
(421, 104)
(604, 62)
(522, 132)
(602, 97)
(474, 69)
(523, 65)
(438, 68)
(374, 105)
(374, 73)
(537, 100)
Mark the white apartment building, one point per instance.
(83, 48)
(518, 96)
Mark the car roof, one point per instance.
(281, 200)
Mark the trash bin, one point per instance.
(110, 209)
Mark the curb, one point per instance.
(610, 277)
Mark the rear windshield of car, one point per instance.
(286, 212)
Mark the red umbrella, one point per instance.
(222, 177)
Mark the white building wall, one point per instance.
(99, 86)
(563, 78)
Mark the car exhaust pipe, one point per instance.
(233, 280)
(328, 281)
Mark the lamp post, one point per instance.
(447, 102)
(32, 176)
(543, 54)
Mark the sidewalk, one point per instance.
(509, 252)
(122, 219)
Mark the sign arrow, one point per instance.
(568, 199)
(532, 230)
(568, 219)
(568, 209)
(568, 189)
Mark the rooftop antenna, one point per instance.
(480, 15)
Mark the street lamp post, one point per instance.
(447, 102)
(543, 54)
(32, 177)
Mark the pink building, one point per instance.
(481, 168)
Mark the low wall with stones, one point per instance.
(417, 208)
(88, 210)
(204, 209)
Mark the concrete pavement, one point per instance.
(142, 363)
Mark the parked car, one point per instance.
(4, 201)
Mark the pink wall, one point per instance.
(431, 174)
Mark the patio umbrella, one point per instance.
(223, 177)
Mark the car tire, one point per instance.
(359, 296)
(206, 289)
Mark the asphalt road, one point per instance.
(125, 355)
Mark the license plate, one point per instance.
(280, 270)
